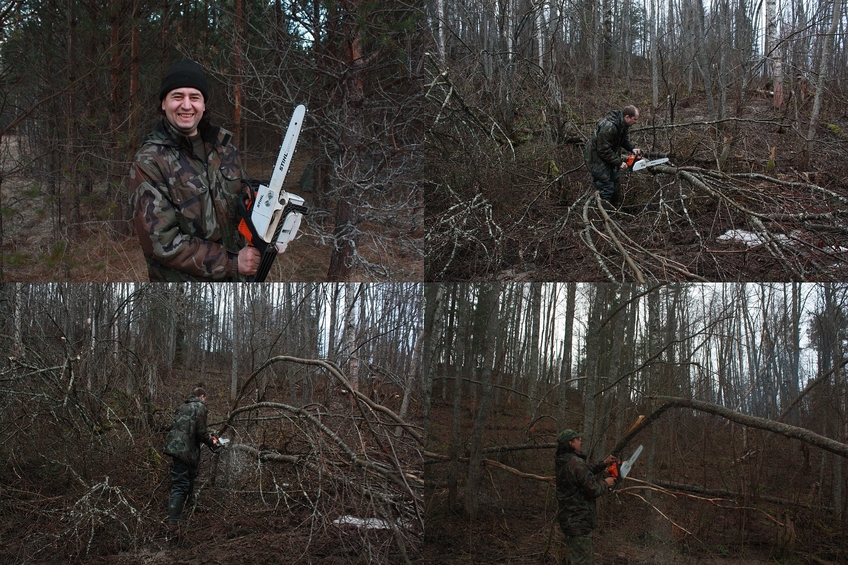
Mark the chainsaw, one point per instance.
(618, 470)
(270, 216)
(637, 163)
(220, 443)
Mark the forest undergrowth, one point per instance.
(85, 479)
(738, 201)
(701, 492)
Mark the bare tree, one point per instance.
(827, 46)
(486, 337)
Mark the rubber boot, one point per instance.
(174, 536)
(175, 510)
(617, 200)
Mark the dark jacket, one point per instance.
(185, 207)
(603, 150)
(577, 487)
(188, 431)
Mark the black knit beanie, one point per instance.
(184, 74)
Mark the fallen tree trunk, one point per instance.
(792, 432)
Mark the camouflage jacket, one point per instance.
(603, 150)
(577, 487)
(188, 431)
(185, 209)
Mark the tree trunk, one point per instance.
(236, 345)
(824, 59)
(351, 356)
(414, 373)
(533, 350)
(433, 322)
(344, 243)
(772, 52)
(486, 334)
(565, 373)
(593, 362)
(346, 231)
(237, 72)
(440, 30)
(18, 316)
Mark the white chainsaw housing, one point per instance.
(267, 211)
(290, 225)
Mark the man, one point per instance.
(577, 487)
(188, 431)
(603, 152)
(186, 182)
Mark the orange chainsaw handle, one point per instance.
(632, 159)
(246, 207)
(612, 470)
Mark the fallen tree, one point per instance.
(348, 448)
(786, 430)
(796, 225)
(669, 403)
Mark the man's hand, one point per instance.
(609, 460)
(609, 481)
(637, 152)
(248, 261)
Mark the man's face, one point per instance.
(576, 444)
(630, 120)
(184, 107)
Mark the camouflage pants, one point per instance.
(607, 184)
(578, 550)
(182, 486)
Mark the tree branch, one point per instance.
(810, 386)
(792, 432)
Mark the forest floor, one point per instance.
(639, 524)
(529, 213)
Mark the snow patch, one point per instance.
(367, 523)
(750, 239)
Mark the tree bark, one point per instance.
(236, 346)
(433, 322)
(565, 373)
(824, 59)
(486, 333)
(533, 350)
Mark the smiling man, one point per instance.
(183, 108)
(185, 183)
